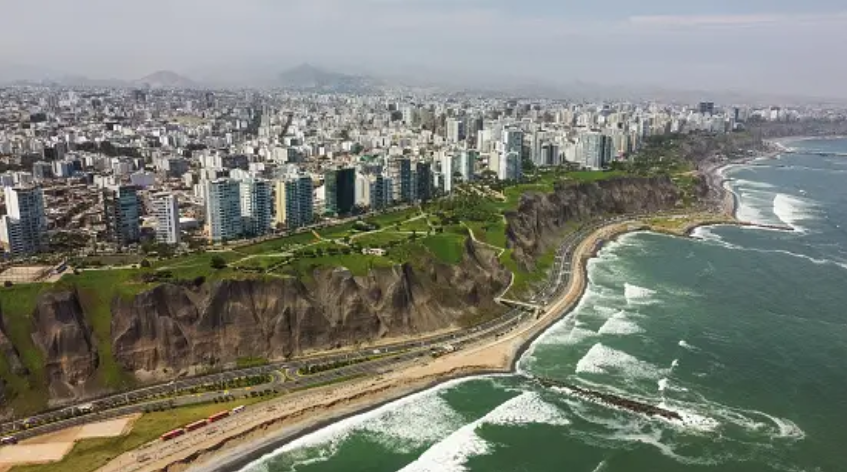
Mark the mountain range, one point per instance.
(309, 78)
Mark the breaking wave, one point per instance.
(601, 359)
(451, 454)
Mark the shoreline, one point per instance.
(559, 310)
(245, 446)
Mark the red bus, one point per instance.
(173, 434)
(195, 425)
(218, 416)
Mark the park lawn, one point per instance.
(90, 454)
(420, 225)
(389, 219)
(198, 265)
(110, 260)
(337, 232)
(260, 262)
(357, 264)
(446, 247)
(382, 239)
(594, 175)
(279, 244)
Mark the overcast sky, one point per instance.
(779, 46)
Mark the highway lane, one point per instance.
(144, 398)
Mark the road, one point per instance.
(145, 398)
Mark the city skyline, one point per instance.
(772, 47)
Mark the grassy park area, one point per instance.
(420, 236)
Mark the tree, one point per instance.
(218, 263)
(145, 264)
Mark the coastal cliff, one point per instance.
(177, 329)
(540, 218)
(61, 332)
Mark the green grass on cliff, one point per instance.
(26, 394)
(393, 218)
(448, 248)
(278, 245)
(96, 291)
(491, 233)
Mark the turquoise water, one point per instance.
(743, 331)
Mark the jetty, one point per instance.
(612, 400)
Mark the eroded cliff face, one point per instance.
(535, 227)
(173, 329)
(9, 352)
(63, 335)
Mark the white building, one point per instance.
(166, 209)
(447, 172)
(22, 229)
(223, 209)
(363, 190)
(455, 130)
(510, 161)
(256, 203)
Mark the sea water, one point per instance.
(742, 331)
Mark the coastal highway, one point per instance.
(387, 357)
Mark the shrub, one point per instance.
(218, 263)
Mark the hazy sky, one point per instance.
(783, 46)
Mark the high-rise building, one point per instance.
(22, 228)
(400, 173)
(455, 130)
(363, 190)
(42, 170)
(223, 209)
(447, 173)
(597, 150)
(380, 192)
(340, 191)
(256, 215)
(166, 209)
(467, 164)
(550, 155)
(707, 108)
(295, 202)
(405, 179)
(423, 173)
(511, 160)
(121, 213)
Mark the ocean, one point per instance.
(742, 331)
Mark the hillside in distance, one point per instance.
(310, 78)
(166, 79)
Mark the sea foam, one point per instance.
(684, 344)
(635, 294)
(407, 418)
(792, 210)
(451, 454)
(601, 359)
(620, 325)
